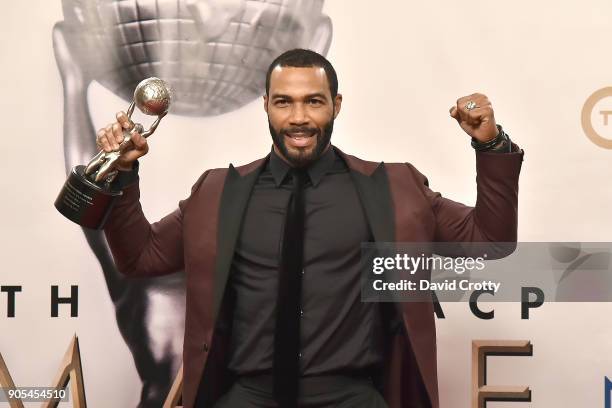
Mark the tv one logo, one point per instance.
(596, 117)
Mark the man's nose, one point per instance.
(298, 115)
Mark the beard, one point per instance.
(302, 157)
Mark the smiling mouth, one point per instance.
(299, 135)
(301, 139)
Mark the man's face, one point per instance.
(301, 113)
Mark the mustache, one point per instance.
(300, 129)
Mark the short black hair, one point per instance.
(301, 58)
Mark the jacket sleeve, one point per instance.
(494, 218)
(141, 249)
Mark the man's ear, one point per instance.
(337, 105)
(265, 99)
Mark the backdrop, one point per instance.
(401, 65)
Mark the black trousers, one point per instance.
(329, 391)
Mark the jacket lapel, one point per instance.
(372, 185)
(377, 196)
(234, 200)
(373, 191)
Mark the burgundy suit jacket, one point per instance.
(200, 237)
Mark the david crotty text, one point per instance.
(446, 285)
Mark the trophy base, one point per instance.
(84, 202)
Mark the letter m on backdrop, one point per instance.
(70, 371)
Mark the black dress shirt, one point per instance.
(338, 332)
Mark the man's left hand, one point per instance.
(475, 116)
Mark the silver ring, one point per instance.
(470, 105)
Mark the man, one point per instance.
(271, 252)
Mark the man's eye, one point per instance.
(316, 102)
(280, 102)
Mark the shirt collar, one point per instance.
(279, 168)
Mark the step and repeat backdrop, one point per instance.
(68, 66)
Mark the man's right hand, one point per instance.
(110, 137)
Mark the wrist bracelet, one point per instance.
(481, 146)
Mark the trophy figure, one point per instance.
(88, 194)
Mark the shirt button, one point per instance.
(206, 347)
(300, 355)
(302, 271)
(301, 313)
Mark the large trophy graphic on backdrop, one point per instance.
(88, 194)
(215, 54)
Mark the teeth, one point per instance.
(298, 135)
